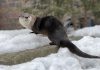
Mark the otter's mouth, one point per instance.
(26, 20)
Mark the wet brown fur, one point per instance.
(54, 29)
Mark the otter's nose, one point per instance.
(26, 17)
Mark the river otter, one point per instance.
(54, 30)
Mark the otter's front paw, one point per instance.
(34, 32)
(52, 43)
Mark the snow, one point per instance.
(18, 40)
(88, 31)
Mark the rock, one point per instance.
(27, 55)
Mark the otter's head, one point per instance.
(27, 20)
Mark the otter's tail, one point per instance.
(75, 50)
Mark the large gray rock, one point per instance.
(27, 55)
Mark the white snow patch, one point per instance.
(87, 31)
(18, 40)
